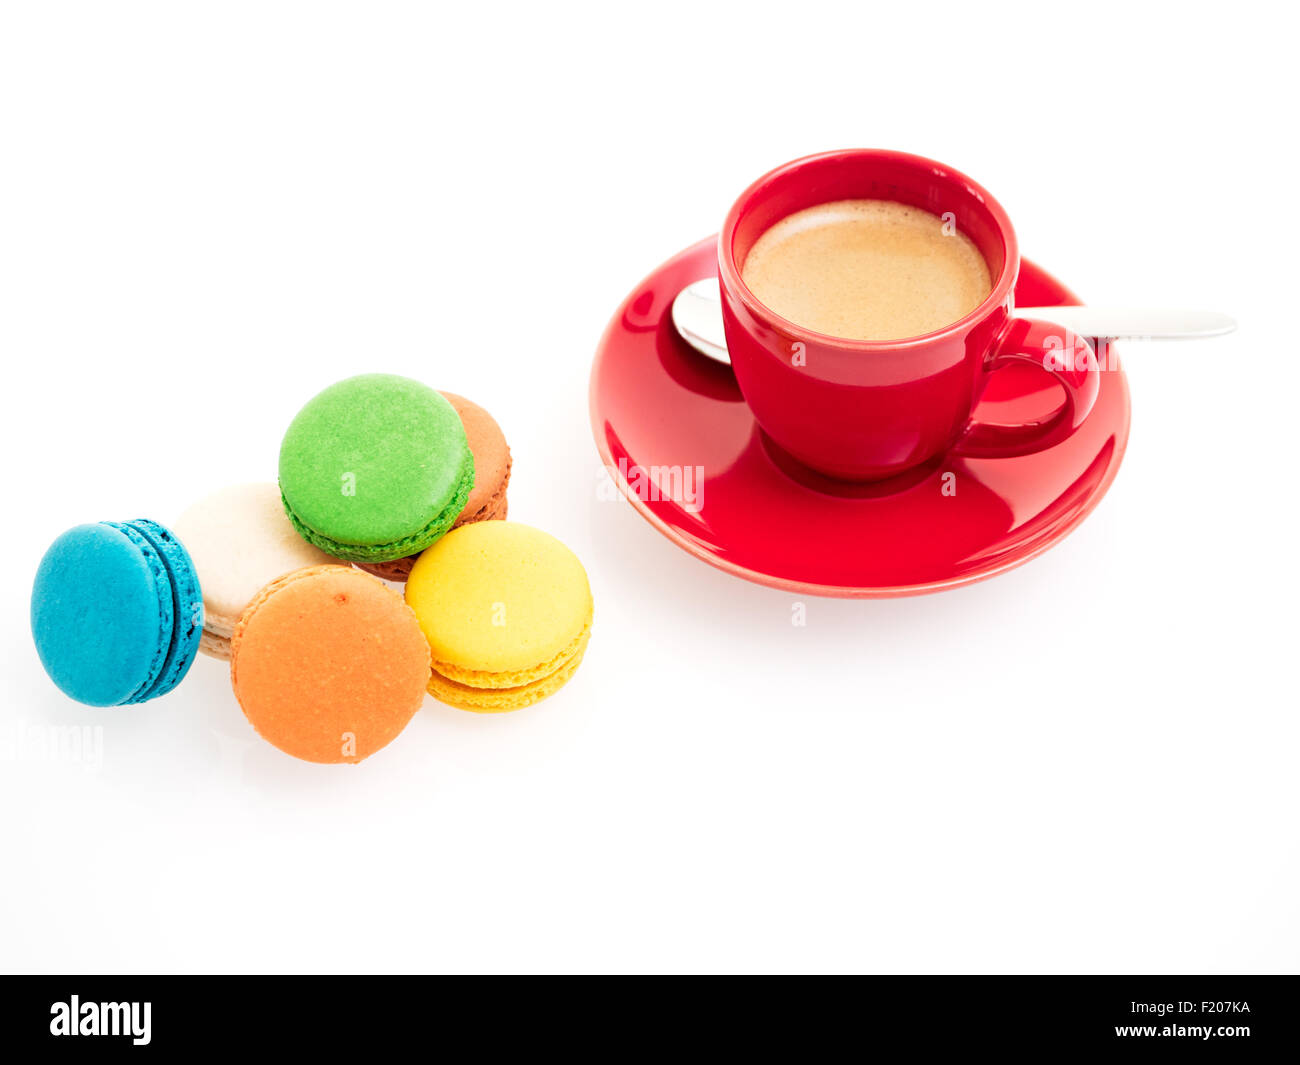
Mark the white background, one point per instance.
(208, 213)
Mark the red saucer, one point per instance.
(661, 411)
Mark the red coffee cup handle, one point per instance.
(1057, 351)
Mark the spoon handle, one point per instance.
(1134, 323)
(697, 315)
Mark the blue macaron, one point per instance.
(117, 612)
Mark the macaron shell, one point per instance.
(215, 646)
(374, 468)
(499, 597)
(187, 606)
(395, 570)
(101, 614)
(501, 700)
(240, 540)
(492, 461)
(497, 509)
(329, 664)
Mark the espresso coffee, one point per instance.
(870, 270)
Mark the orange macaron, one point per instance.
(329, 664)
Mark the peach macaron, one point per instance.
(329, 664)
(487, 499)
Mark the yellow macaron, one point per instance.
(507, 611)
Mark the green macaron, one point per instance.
(374, 468)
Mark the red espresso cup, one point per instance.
(864, 410)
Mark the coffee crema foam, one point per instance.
(871, 270)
